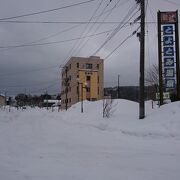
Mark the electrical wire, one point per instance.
(46, 11)
(120, 44)
(84, 44)
(152, 15)
(45, 88)
(74, 22)
(118, 28)
(53, 42)
(26, 85)
(53, 35)
(82, 33)
(25, 72)
(171, 2)
(81, 44)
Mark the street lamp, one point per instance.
(82, 87)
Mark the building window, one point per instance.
(97, 66)
(88, 89)
(70, 78)
(77, 76)
(88, 78)
(88, 66)
(69, 66)
(77, 65)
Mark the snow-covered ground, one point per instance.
(36, 144)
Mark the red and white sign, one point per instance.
(168, 17)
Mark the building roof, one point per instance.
(51, 101)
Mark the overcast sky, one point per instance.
(36, 68)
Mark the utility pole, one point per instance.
(82, 94)
(81, 97)
(5, 99)
(78, 91)
(46, 100)
(66, 89)
(118, 93)
(142, 52)
(160, 99)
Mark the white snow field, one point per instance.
(38, 144)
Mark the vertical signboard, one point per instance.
(168, 45)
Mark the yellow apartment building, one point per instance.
(82, 79)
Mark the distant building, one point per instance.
(82, 79)
(51, 102)
(2, 100)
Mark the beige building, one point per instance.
(82, 79)
(2, 100)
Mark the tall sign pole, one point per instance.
(177, 57)
(160, 60)
(142, 52)
(168, 44)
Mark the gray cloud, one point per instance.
(36, 69)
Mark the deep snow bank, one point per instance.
(37, 144)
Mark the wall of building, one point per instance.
(2, 100)
(76, 70)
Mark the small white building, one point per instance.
(51, 102)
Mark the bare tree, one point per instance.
(152, 75)
(152, 81)
(107, 107)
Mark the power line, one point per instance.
(25, 72)
(172, 2)
(120, 26)
(25, 85)
(45, 88)
(83, 44)
(72, 22)
(54, 42)
(152, 15)
(121, 44)
(67, 22)
(53, 35)
(46, 11)
(50, 67)
(82, 33)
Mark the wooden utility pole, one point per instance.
(66, 89)
(142, 52)
(81, 97)
(46, 100)
(160, 60)
(118, 93)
